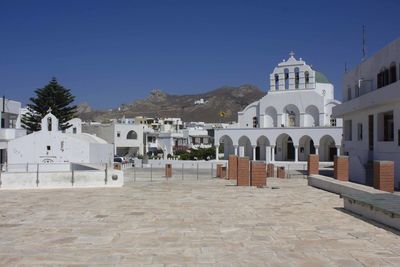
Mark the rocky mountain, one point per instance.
(220, 105)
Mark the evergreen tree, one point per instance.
(53, 97)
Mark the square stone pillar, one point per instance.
(219, 167)
(341, 168)
(270, 170)
(243, 171)
(258, 174)
(168, 170)
(223, 172)
(232, 167)
(280, 172)
(313, 164)
(384, 175)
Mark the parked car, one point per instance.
(120, 160)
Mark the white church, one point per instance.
(294, 119)
(51, 145)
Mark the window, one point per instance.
(306, 78)
(359, 131)
(356, 91)
(393, 72)
(49, 124)
(276, 82)
(131, 135)
(348, 130)
(292, 119)
(333, 122)
(48, 148)
(255, 122)
(118, 134)
(379, 80)
(349, 93)
(296, 78)
(386, 77)
(286, 79)
(74, 130)
(398, 137)
(385, 126)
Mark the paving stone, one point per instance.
(189, 223)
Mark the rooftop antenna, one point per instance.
(363, 43)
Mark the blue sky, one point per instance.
(113, 52)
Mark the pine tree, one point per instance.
(52, 97)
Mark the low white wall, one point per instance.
(371, 212)
(186, 163)
(79, 179)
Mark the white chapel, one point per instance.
(51, 145)
(294, 119)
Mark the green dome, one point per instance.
(321, 78)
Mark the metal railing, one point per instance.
(154, 172)
(39, 169)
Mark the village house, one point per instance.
(126, 138)
(10, 127)
(371, 113)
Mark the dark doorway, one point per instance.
(332, 153)
(312, 147)
(257, 153)
(371, 132)
(290, 150)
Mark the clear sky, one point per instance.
(113, 52)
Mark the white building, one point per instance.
(127, 139)
(371, 113)
(50, 145)
(197, 135)
(291, 121)
(10, 127)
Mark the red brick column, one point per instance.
(168, 170)
(232, 167)
(270, 170)
(219, 166)
(313, 164)
(223, 172)
(341, 168)
(384, 175)
(258, 174)
(243, 171)
(280, 172)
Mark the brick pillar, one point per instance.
(258, 174)
(270, 170)
(243, 171)
(280, 172)
(313, 164)
(223, 172)
(219, 166)
(341, 168)
(168, 170)
(232, 167)
(384, 175)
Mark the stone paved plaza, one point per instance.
(189, 223)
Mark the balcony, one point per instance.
(385, 95)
